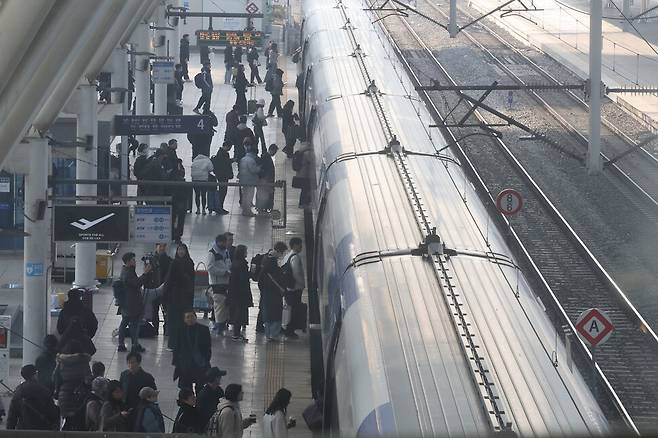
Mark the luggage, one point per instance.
(147, 330)
(201, 286)
(198, 80)
(299, 317)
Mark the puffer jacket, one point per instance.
(248, 169)
(70, 376)
(227, 422)
(201, 167)
(219, 266)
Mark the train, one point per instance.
(428, 326)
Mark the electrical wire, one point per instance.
(580, 11)
(635, 28)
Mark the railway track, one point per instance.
(629, 361)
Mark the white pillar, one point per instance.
(120, 80)
(142, 44)
(161, 52)
(626, 10)
(452, 25)
(175, 36)
(85, 253)
(36, 253)
(594, 163)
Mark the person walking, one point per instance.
(237, 55)
(265, 194)
(269, 284)
(201, 167)
(134, 379)
(205, 83)
(240, 84)
(248, 171)
(228, 63)
(95, 403)
(239, 293)
(223, 170)
(131, 307)
(289, 127)
(188, 418)
(259, 121)
(179, 292)
(209, 396)
(114, 415)
(31, 406)
(184, 55)
(47, 362)
(252, 59)
(149, 418)
(74, 308)
(273, 57)
(275, 424)
(192, 353)
(276, 90)
(293, 294)
(227, 421)
(70, 379)
(219, 271)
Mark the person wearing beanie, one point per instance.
(32, 407)
(188, 419)
(209, 396)
(149, 418)
(95, 402)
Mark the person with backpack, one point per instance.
(114, 414)
(47, 361)
(228, 63)
(203, 81)
(76, 332)
(223, 170)
(242, 134)
(271, 287)
(227, 422)
(252, 59)
(240, 84)
(134, 379)
(265, 194)
(219, 271)
(248, 171)
(131, 305)
(209, 396)
(74, 308)
(275, 87)
(201, 167)
(179, 292)
(293, 275)
(239, 293)
(71, 379)
(95, 402)
(275, 424)
(32, 407)
(188, 419)
(148, 418)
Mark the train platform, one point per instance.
(261, 367)
(562, 31)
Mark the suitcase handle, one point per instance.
(205, 268)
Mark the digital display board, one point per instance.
(233, 37)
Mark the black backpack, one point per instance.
(198, 80)
(297, 160)
(140, 166)
(256, 267)
(35, 416)
(287, 276)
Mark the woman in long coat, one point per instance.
(239, 293)
(179, 292)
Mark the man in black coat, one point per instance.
(192, 353)
(208, 398)
(201, 141)
(179, 203)
(223, 170)
(132, 305)
(32, 406)
(232, 121)
(185, 54)
(134, 379)
(75, 309)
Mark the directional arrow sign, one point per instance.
(594, 326)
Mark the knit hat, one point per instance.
(147, 392)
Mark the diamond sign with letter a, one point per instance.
(594, 326)
(251, 8)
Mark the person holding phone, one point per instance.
(114, 414)
(227, 422)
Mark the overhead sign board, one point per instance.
(233, 37)
(509, 202)
(92, 223)
(153, 125)
(163, 72)
(152, 224)
(594, 326)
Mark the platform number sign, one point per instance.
(594, 326)
(509, 202)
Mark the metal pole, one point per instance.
(626, 10)
(160, 96)
(85, 253)
(36, 250)
(175, 36)
(142, 44)
(452, 25)
(594, 163)
(120, 80)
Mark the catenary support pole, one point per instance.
(120, 80)
(175, 35)
(142, 46)
(36, 249)
(452, 25)
(86, 167)
(160, 45)
(594, 163)
(626, 10)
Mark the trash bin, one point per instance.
(104, 265)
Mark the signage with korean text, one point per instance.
(152, 224)
(233, 37)
(163, 72)
(153, 125)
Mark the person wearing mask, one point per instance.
(148, 418)
(228, 421)
(242, 134)
(269, 284)
(275, 424)
(75, 309)
(240, 84)
(259, 121)
(252, 59)
(131, 308)
(192, 353)
(71, 374)
(228, 63)
(265, 195)
(276, 90)
(293, 295)
(210, 394)
(114, 414)
(206, 85)
(188, 419)
(239, 293)
(219, 271)
(223, 170)
(31, 406)
(179, 292)
(134, 379)
(184, 55)
(95, 403)
(47, 361)
(248, 172)
(201, 167)
(289, 127)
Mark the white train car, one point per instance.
(395, 348)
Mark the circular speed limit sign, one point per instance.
(509, 202)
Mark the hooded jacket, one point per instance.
(219, 265)
(76, 309)
(201, 167)
(228, 421)
(248, 169)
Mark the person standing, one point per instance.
(275, 424)
(223, 170)
(228, 421)
(276, 90)
(240, 84)
(273, 58)
(210, 394)
(201, 167)
(185, 55)
(289, 127)
(192, 353)
(237, 55)
(204, 53)
(131, 306)
(163, 261)
(259, 121)
(134, 379)
(95, 403)
(180, 81)
(70, 376)
(47, 362)
(32, 407)
(269, 284)
(148, 418)
(252, 59)
(74, 309)
(201, 141)
(206, 85)
(139, 168)
(219, 271)
(265, 194)
(239, 293)
(293, 295)
(228, 63)
(114, 415)
(179, 292)
(248, 171)
(232, 122)
(242, 134)
(188, 418)
(179, 201)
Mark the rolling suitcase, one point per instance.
(298, 319)
(251, 103)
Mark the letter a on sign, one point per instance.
(594, 326)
